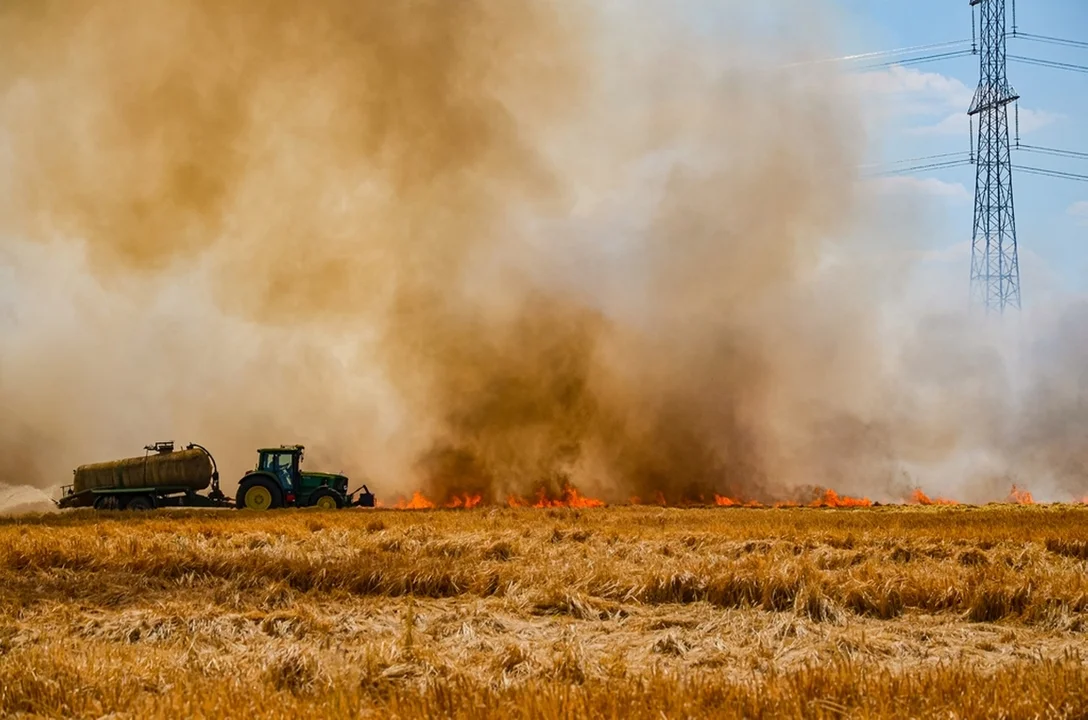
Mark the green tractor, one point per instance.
(278, 481)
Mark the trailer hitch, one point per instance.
(365, 499)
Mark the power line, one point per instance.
(1049, 64)
(919, 60)
(939, 156)
(944, 165)
(1072, 154)
(1045, 172)
(1051, 40)
(889, 53)
(959, 159)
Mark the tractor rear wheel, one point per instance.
(326, 499)
(259, 494)
(140, 502)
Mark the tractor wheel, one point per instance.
(326, 499)
(259, 494)
(139, 503)
(106, 502)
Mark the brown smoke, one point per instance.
(322, 149)
(467, 246)
(332, 165)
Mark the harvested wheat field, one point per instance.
(512, 612)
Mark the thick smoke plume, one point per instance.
(324, 171)
(482, 247)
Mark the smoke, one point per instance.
(279, 182)
(487, 247)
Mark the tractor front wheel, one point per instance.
(326, 499)
(259, 494)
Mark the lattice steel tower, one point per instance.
(995, 267)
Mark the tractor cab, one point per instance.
(283, 463)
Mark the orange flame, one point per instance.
(830, 498)
(465, 501)
(1020, 497)
(920, 498)
(418, 502)
(571, 499)
(722, 501)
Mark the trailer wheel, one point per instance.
(106, 502)
(140, 503)
(259, 494)
(326, 499)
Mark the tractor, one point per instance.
(278, 481)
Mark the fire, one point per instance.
(1020, 496)
(465, 501)
(571, 498)
(920, 498)
(418, 502)
(722, 501)
(830, 498)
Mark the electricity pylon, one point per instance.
(995, 267)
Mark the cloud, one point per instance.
(930, 187)
(957, 123)
(1032, 120)
(954, 124)
(915, 91)
(907, 92)
(1079, 211)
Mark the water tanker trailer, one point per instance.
(165, 477)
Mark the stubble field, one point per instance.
(612, 612)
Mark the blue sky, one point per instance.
(1052, 215)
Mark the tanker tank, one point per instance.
(191, 469)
